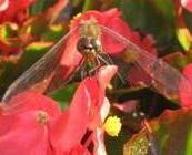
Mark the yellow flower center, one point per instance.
(113, 125)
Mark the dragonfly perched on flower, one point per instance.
(89, 39)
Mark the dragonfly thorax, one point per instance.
(88, 45)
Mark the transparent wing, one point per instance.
(165, 79)
(40, 72)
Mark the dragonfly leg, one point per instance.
(82, 75)
(97, 65)
(83, 72)
(111, 62)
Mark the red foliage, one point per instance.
(16, 11)
(33, 124)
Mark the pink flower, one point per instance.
(33, 124)
(187, 4)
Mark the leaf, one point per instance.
(152, 17)
(64, 95)
(177, 59)
(184, 38)
(115, 144)
(32, 53)
(173, 131)
(54, 33)
(137, 145)
(7, 75)
(41, 6)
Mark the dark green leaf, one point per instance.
(64, 95)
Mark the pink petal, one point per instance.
(105, 75)
(72, 125)
(70, 56)
(79, 150)
(4, 4)
(22, 134)
(96, 87)
(128, 106)
(31, 101)
(99, 142)
(187, 4)
(105, 108)
(84, 111)
(185, 88)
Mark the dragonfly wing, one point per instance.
(165, 79)
(39, 75)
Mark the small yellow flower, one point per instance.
(113, 125)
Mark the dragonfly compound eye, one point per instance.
(84, 44)
(95, 44)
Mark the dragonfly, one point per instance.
(91, 44)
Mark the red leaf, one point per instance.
(185, 89)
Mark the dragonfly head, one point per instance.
(85, 45)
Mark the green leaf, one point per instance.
(152, 17)
(32, 53)
(114, 145)
(173, 131)
(64, 95)
(87, 5)
(7, 75)
(54, 33)
(189, 142)
(40, 6)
